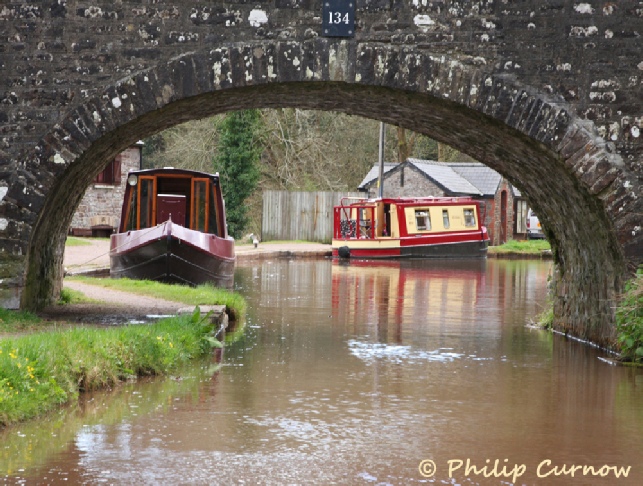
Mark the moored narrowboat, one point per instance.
(423, 227)
(173, 229)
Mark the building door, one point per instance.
(503, 217)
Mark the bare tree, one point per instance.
(302, 150)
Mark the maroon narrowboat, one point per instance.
(422, 227)
(173, 229)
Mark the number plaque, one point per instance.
(338, 18)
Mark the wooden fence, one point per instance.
(304, 216)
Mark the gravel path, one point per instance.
(87, 257)
(114, 306)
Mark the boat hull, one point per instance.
(409, 248)
(174, 254)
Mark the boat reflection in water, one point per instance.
(412, 299)
(432, 292)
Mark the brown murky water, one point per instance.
(359, 374)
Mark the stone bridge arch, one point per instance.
(584, 189)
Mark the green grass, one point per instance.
(201, 295)
(71, 296)
(529, 247)
(75, 241)
(39, 372)
(17, 321)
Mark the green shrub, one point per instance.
(629, 320)
(546, 318)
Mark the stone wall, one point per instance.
(102, 203)
(406, 181)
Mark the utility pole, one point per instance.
(380, 182)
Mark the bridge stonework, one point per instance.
(548, 93)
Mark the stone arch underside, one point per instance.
(568, 173)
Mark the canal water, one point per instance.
(419, 373)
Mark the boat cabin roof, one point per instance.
(173, 171)
(426, 200)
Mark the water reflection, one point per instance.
(354, 374)
(28, 449)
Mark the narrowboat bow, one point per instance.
(173, 229)
(423, 227)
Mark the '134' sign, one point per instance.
(338, 18)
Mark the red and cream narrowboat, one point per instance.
(426, 227)
(173, 229)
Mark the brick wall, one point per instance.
(501, 235)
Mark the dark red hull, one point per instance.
(171, 253)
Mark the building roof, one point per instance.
(374, 174)
(444, 175)
(467, 178)
(484, 178)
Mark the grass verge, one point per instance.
(71, 296)
(39, 372)
(201, 295)
(526, 247)
(75, 241)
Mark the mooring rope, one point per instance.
(149, 230)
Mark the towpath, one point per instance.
(81, 259)
(117, 307)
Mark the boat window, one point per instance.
(469, 218)
(445, 218)
(199, 204)
(130, 215)
(422, 220)
(145, 201)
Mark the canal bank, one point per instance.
(93, 258)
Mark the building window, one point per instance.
(111, 174)
(469, 218)
(445, 218)
(422, 220)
